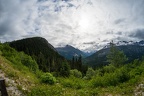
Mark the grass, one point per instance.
(24, 78)
(110, 83)
(70, 86)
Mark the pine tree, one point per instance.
(79, 63)
(73, 63)
(65, 69)
(115, 56)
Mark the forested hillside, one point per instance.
(23, 75)
(43, 52)
(99, 59)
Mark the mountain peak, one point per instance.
(69, 51)
(125, 43)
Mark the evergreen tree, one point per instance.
(65, 69)
(115, 56)
(73, 63)
(79, 66)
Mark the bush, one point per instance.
(106, 80)
(73, 82)
(29, 62)
(109, 69)
(122, 75)
(76, 73)
(90, 73)
(18, 58)
(48, 78)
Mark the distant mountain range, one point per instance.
(133, 50)
(120, 43)
(69, 51)
(45, 54)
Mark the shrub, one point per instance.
(90, 73)
(109, 69)
(73, 82)
(122, 75)
(29, 62)
(48, 78)
(76, 73)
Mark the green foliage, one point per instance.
(73, 82)
(19, 58)
(48, 78)
(89, 74)
(109, 68)
(111, 79)
(76, 63)
(64, 69)
(115, 56)
(41, 51)
(76, 73)
(29, 62)
(39, 73)
(106, 80)
(122, 75)
(46, 91)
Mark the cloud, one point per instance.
(139, 33)
(118, 21)
(13, 15)
(72, 22)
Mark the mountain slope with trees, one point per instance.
(43, 52)
(99, 59)
(22, 73)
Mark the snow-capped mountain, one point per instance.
(69, 51)
(140, 43)
(133, 50)
(124, 43)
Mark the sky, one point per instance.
(85, 24)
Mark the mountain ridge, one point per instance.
(69, 51)
(42, 51)
(132, 51)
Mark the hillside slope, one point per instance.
(23, 78)
(99, 58)
(43, 52)
(18, 77)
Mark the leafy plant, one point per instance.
(90, 73)
(48, 78)
(115, 56)
(76, 73)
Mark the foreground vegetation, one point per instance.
(108, 80)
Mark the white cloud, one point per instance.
(73, 22)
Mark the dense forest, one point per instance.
(46, 55)
(69, 79)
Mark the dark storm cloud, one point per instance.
(12, 17)
(9, 18)
(138, 34)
